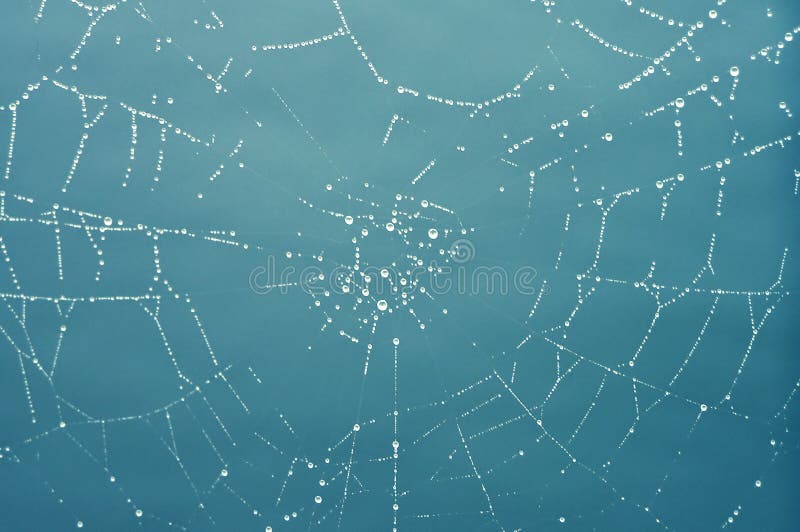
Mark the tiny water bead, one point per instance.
(433, 233)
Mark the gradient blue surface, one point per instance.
(372, 265)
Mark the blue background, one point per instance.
(214, 407)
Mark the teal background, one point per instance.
(273, 400)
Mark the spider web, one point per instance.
(347, 265)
